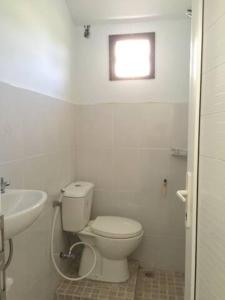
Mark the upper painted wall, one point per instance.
(172, 64)
(36, 51)
(99, 11)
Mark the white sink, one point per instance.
(21, 208)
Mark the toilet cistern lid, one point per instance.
(78, 189)
(116, 227)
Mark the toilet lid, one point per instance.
(116, 227)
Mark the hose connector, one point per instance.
(56, 203)
(66, 256)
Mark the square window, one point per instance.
(132, 56)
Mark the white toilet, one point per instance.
(113, 238)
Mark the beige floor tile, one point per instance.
(157, 285)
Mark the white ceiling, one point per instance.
(100, 11)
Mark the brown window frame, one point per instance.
(118, 37)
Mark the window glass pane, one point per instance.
(132, 58)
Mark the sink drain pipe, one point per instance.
(6, 282)
(10, 241)
(56, 213)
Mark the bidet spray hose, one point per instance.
(57, 209)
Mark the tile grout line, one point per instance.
(157, 285)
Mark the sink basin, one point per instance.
(21, 208)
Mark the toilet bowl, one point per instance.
(114, 239)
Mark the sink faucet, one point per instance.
(3, 185)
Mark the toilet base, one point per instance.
(107, 270)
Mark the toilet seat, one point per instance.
(115, 227)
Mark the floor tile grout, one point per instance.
(142, 285)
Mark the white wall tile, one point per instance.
(33, 128)
(118, 148)
(127, 125)
(13, 173)
(37, 152)
(95, 126)
(156, 125)
(105, 203)
(10, 127)
(129, 167)
(95, 165)
(179, 131)
(168, 252)
(143, 125)
(126, 169)
(127, 204)
(161, 252)
(154, 168)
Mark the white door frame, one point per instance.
(193, 145)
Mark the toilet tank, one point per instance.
(76, 205)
